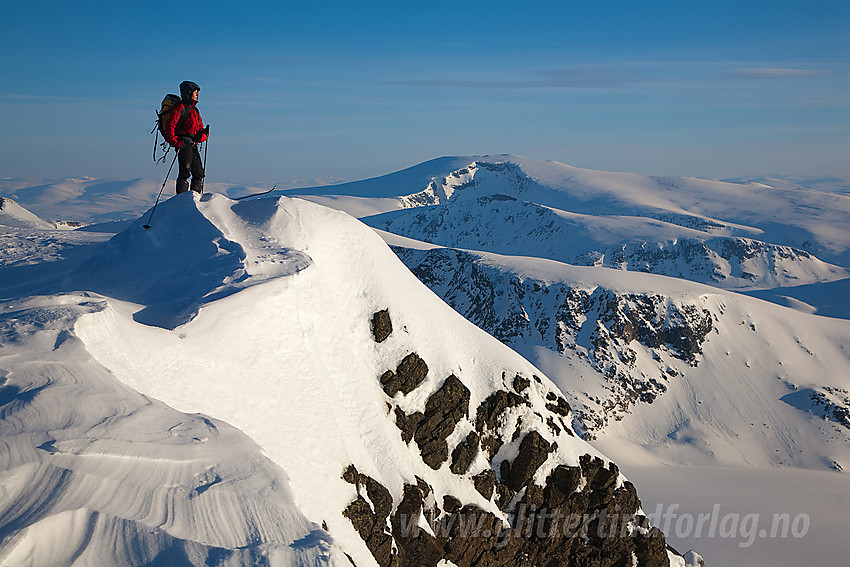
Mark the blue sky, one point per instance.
(350, 90)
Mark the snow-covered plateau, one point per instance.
(272, 381)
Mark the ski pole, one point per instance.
(164, 181)
(206, 145)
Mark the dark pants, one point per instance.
(190, 164)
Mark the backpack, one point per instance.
(163, 115)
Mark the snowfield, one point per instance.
(258, 314)
(218, 389)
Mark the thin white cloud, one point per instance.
(575, 77)
(30, 97)
(773, 73)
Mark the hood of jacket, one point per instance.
(187, 88)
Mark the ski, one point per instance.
(256, 194)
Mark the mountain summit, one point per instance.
(396, 431)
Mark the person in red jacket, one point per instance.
(185, 130)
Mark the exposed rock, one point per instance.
(350, 475)
(408, 423)
(533, 452)
(521, 383)
(487, 418)
(362, 517)
(382, 325)
(485, 482)
(464, 453)
(417, 548)
(469, 537)
(651, 550)
(451, 504)
(600, 480)
(560, 406)
(371, 521)
(410, 373)
(555, 524)
(606, 329)
(443, 410)
(561, 485)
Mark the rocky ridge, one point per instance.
(607, 330)
(679, 246)
(541, 510)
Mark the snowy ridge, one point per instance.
(365, 405)
(15, 216)
(275, 331)
(663, 363)
(808, 219)
(506, 225)
(95, 473)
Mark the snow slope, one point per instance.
(687, 373)
(678, 379)
(15, 216)
(507, 225)
(808, 219)
(86, 200)
(258, 314)
(94, 473)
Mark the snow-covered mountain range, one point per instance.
(670, 366)
(622, 310)
(522, 248)
(388, 425)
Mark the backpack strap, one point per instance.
(183, 115)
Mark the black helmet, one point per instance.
(187, 88)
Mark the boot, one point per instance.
(198, 184)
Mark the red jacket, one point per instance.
(190, 124)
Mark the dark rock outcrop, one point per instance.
(411, 372)
(443, 410)
(552, 525)
(408, 423)
(533, 452)
(487, 419)
(485, 482)
(603, 328)
(581, 515)
(464, 453)
(557, 404)
(520, 383)
(370, 520)
(417, 548)
(382, 325)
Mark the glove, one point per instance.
(186, 140)
(199, 137)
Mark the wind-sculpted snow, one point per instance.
(185, 261)
(286, 351)
(505, 225)
(367, 406)
(94, 473)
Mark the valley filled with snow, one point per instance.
(294, 379)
